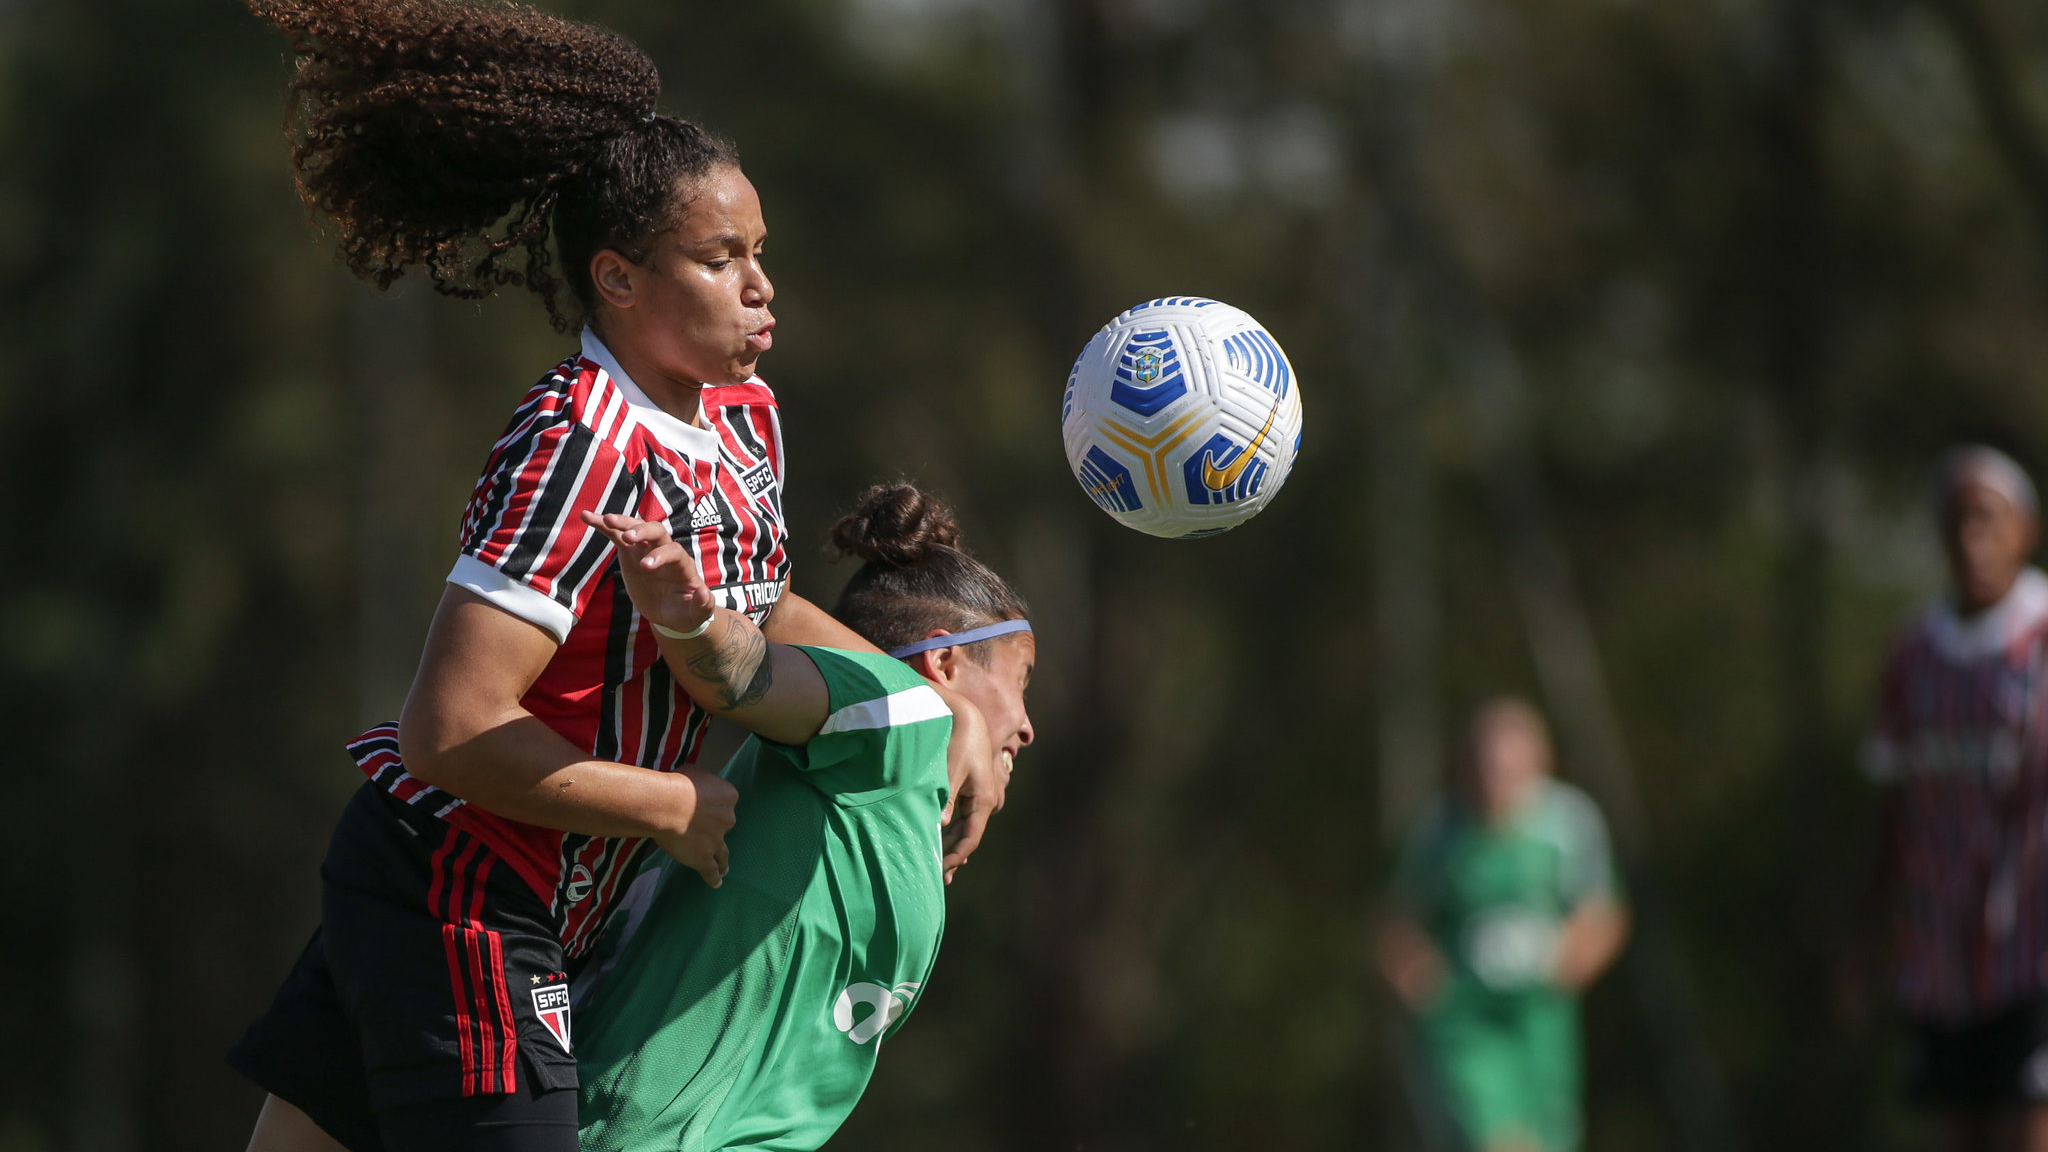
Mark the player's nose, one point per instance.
(1024, 733)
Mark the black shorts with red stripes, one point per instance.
(431, 1008)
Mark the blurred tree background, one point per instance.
(1627, 329)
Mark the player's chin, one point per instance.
(740, 369)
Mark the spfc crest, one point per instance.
(758, 479)
(551, 1004)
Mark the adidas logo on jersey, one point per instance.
(705, 512)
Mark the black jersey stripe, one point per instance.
(516, 444)
(505, 472)
(743, 431)
(597, 548)
(767, 526)
(618, 650)
(603, 903)
(674, 495)
(566, 469)
(729, 570)
(572, 847)
(657, 708)
(590, 913)
(374, 744)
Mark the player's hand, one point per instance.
(1411, 963)
(980, 778)
(700, 844)
(980, 796)
(660, 575)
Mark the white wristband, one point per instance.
(692, 634)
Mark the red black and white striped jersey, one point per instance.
(1960, 735)
(586, 437)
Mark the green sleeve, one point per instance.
(1588, 872)
(884, 726)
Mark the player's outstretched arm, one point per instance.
(719, 657)
(733, 668)
(1409, 960)
(796, 620)
(465, 730)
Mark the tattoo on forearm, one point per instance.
(738, 667)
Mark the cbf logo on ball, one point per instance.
(1181, 417)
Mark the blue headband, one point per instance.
(952, 639)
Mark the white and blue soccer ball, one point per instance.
(1182, 417)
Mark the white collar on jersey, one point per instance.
(680, 435)
(1991, 631)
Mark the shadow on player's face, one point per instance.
(1508, 755)
(1988, 540)
(695, 304)
(997, 688)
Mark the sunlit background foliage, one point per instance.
(1626, 330)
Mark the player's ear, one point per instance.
(611, 274)
(942, 664)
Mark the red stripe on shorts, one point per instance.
(510, 1056)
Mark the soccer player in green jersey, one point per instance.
(1506, 907)
(749, 1015)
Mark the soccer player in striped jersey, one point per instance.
(1960, 744)
(544, 748)
(751, 1016)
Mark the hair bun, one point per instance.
(895, 525)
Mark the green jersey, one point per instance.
(749, 1016)
(1503, 1037)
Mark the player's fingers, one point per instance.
(609, 521)
(598, 522)
(653, 555)
(648, 532)
(670, 553)
(998, 792)
(970, 837)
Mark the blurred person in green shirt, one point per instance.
(1505, 907)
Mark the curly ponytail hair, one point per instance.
(455, 136)
(915, 576)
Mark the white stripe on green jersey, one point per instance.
(906, 707)
(749, 1016)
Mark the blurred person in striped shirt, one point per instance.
(1960, 750)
